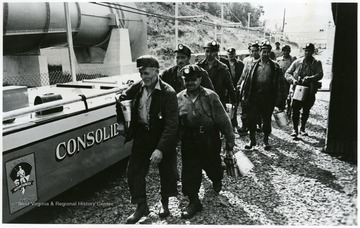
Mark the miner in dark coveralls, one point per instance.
(263, 89)
(173, 76)
(201, 115)
(153, 128)
(218, 73)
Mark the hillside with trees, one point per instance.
(194, 32)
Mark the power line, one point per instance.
(145, 13)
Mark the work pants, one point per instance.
(200, 152)
(144, 145)
(261, 106)
(305, 106)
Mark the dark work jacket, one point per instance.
(164, 120)
(278, 86)
(221, 81)
(239, 66)
(170, 76)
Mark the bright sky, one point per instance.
(303, 18)
(299, 15)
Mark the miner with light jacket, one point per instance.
(153, 128)
(202, 116)
(306, 71)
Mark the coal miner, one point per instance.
(262, 90)
(284, 62)
(173, 76)
(235, 68)
(306, 71)
(153, 128)
(201, 116)
(218, 72)
(254, 50)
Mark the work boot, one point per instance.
(217, 186)
(302, 131)
(252, 141)
(164, 211)
(294, 134)
(266, 143)
(193, 208)
(142, 209)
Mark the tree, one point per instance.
(240, 11)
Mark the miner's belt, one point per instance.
(198, 130)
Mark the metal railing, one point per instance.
(18, 112)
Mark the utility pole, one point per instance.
(249, 24)
(176, 24)
(70, 41)
(222, 23)
(264, 30)
(283, 27)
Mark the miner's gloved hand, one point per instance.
(156, 156)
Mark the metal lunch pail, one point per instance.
(300, 92)
(281, 119)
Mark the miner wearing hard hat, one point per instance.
(202, 116)
(173, 76)
(218, 72)
(306, 71)
(153, 129)
(262, 90)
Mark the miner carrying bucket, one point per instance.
(304, 74)
(201, 116)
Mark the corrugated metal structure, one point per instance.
(342, 121)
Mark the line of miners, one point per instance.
(186, 104)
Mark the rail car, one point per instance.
(51, 146)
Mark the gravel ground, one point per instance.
(292, 184)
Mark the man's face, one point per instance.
(308, 53)
(182, 60)
(210, 55)
(192, 83)
(149, 75)
(255, 53)
(231, 56)
(286, 52)
(265, 53)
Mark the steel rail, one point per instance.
(18, 112)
